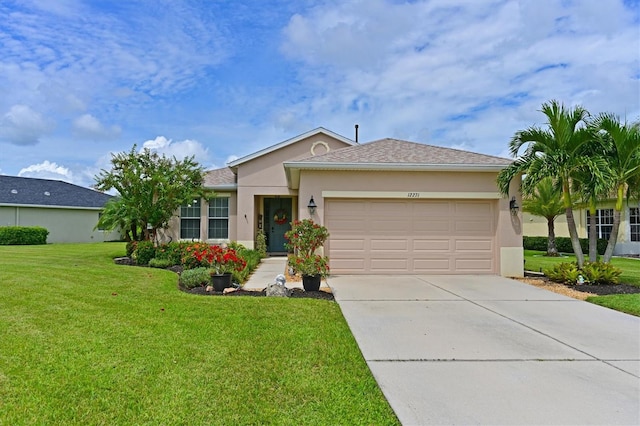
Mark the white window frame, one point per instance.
(212, 218)
(604, 223)
(183, 217)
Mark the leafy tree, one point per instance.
(151, 188)
(622, 151)
(552, 152)
(546, 201)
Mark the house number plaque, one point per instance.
(413, 195)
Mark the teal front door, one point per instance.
(277, 213)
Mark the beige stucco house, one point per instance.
(628, 241)
(391, 206)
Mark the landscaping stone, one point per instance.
(277, 290)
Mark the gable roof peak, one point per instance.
(290, 141)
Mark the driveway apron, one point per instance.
(491, 350)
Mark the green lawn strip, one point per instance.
(85, 341)
(629, 303)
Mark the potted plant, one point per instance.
(223, 261)
(305, 238)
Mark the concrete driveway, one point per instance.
(490, 350)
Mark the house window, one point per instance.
(190, 221)
(219, 218)
(634, 223)
(604, 222)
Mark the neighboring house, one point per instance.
(391, 206)
(628, 235)
(69, 212)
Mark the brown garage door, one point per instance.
(411, 236)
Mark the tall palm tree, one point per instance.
(623, 157)
(551, 152)
(546, 201)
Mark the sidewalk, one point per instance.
(266, 272)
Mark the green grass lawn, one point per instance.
(629, 303)
(84, 341)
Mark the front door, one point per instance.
(277, 212)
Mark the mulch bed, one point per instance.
(296, 293)
(605, 290)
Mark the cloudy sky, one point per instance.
(217, 79)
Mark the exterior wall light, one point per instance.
(312, 206)
(513, 206)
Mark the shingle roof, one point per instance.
(44, 192)
(217, 177)
(394, 151)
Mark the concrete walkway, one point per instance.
(266, 273)
(489, 350)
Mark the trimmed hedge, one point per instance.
(562, 243)
(23, 235)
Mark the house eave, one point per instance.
(293, 168)
(226, 187)
(46, 206)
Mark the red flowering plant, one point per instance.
(305, 238)
(221, 260)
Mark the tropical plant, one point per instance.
(220, 259)
(622, 150)
(305, 237)
(552, 152)
(151, 188)
(546, 201)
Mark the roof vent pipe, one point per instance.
(357, 133)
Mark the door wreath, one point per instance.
(280, 217)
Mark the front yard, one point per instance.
(85, 341)
(630, 303)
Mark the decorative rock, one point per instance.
(229, 290)
(123, 261)
(209, 289)
(277, 290)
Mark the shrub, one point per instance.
(565, 272)
(23, 235)
(173, 252)
(144, 252)
(252, 259)
(601, 273)
(563, 244)
(131, 247)
(196, 277)
(160, 263)
(591, 272)
(261, 244)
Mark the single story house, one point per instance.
(628, 235)
(69, 212)
(391, 206)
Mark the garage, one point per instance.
(409, 236)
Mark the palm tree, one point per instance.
(622, 151)
(546, 201)
(552, 152)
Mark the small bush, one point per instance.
(23, 235)
(160, 263)
(173, 252)
(252, 257)
(591, 272)
(131, 247)
(196, 277)
(144, 252)
(261, 244)
(565, 272)
(601, 273)
(563, 244)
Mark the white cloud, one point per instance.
(89, 127)
(180, 150)
(21, 125)
(47, 170)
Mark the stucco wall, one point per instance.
(64, 225)
(470, 185)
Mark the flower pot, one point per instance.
(221, 281)
(311, 282)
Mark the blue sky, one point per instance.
(80, 80)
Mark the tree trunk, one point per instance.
(613, 238)
(593, 236)
(573, 233)
(552, 250)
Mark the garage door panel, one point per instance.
(474, 245)
(431, 245)
(414, 236)
(348, 244)
(389, 245)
